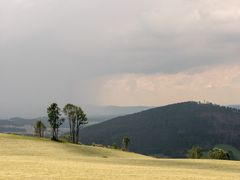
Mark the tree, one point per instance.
(217, 153)
(69, 111)
(76, 118)
(39, 128)
(81, 119)
(195, 152)
(54, 119)
(125, 143)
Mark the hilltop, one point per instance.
(33, 158)
(170, 130)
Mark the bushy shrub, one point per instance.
(195, 152)
(217, 153)
(114, 146)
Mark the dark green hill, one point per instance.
(170, 130)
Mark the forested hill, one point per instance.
(170, 130)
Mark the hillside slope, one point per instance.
(170, 130)
(32, 158)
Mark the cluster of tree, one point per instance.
(75, 116)
(217, 153)
(196, 152)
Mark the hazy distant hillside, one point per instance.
(235, 106)
(99, 114)
(95, 115)
(170, 130)
(114, 110)
(19, 125)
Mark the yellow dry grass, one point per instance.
(32, 158)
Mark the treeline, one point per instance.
(196, 152)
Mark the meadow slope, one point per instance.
(32, 158)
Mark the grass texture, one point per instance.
(33, 158)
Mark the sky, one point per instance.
(124, 53)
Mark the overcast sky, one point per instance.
(126, 52)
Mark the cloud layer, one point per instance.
(56, 50)
(219, 85)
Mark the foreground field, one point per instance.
(32, 158)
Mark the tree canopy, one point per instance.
(76, 118)
(54, 113)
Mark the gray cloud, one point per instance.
(54, 50)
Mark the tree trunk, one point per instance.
(77, 135)
(70, 127)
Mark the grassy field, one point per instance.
(32, 158)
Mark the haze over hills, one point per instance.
(115, 110)
(170, 130)
(95, 115)
(235, 106)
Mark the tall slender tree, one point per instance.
(80, 120)
(76, 117)
(70, 112)
(54, 119)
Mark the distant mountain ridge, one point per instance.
(170, 130)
